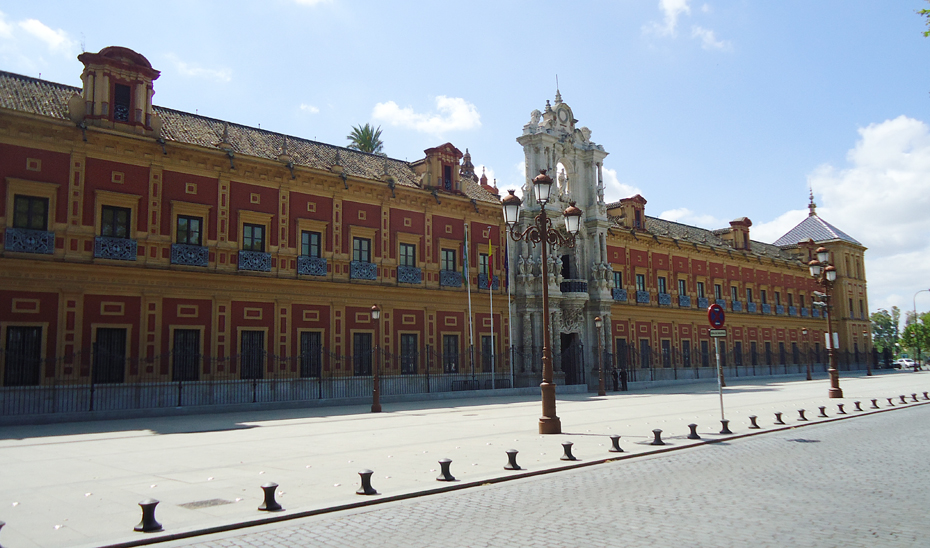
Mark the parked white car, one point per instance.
(903, 363)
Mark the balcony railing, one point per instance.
(642, 297)
(409, 275)
(766, 308)
(574, 286)
(23, 240)
(117, 249)
(684, 301)
(483, 282)
(665, 299)
(255, 261)
(815, 313)
(359, 270)
(189, 255)
(703, 302)
(721, 302)
(618, 294)
(792, 311)
(780, 309)
(805, 312)
(751, 307)
(450, 278)
(737, 306)
(311, 266)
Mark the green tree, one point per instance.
(925, 13)
(884, 330)
(366, 139)
(916, 335)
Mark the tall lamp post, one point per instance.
(824, 273)
(807, 350)
(917, 364)
(376, 377)
(600, 358)
(868, 354)
(543, 231)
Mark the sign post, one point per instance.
(716, 317)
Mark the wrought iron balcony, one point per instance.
(359, 270)
(311, 266)
(23, 240)
(619, 294)
(792, 311)
(751, 307)
(721, 302)
(117, 249)
(665, 299)
(409, 275)
(642, 297)
(703, 302)
(815, 313)
(256, 261)
(574, 286)
(189, 255)
(780, 309)
(805, 312)
(483, 282)
(737, 306)
(766, 308)
(450, 278)
(684, 301)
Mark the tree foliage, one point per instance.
(885, 328)
(916, 335)
(366, 138)
(926, 14)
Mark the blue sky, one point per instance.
(711, 110)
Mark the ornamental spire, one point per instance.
(812, 207)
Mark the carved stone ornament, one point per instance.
(571, 320)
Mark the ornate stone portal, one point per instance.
(579, 278)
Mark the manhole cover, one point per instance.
(197, 504)
(802, 440)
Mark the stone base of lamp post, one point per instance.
(549, 423)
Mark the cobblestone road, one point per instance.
(857, 482)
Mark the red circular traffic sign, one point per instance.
(715, 316)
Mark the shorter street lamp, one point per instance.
(824, 273)
(868, 354)
(600, 357)
(376, 377)
(807, 350)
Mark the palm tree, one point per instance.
(366, 139)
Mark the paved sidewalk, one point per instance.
(78, 484)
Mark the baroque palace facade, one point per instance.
(142, 243)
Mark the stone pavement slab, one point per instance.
(79, 483)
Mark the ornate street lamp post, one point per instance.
(600, 358)
(376, 377)
(825, 274)
(807, 350)
(543, 231)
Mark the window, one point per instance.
(686, 353)
(483, 263)
(644, 351)
(186, 355)
(705, 354)
(737, 353)
(408, 353)
(121, 102)
(763, 296)
(621, 353)
(666, 353)
(252, 354)
(190, 230)
(782, 355)
(447, 177)
(795, 353)
(448, 259)
(618, 279)
(753, 353)
(30, 213)
(801, 296)
(723, 353)
(662, 288)
(851, 311)
(311, 353)
(862, 313)
(682, 287)
(253, 237)
(718, 292)
(777, 298)
(768, 353)
(734, 293)
(408, 255)
(700, 290)
(114, 221)
(487, 354)
(109, 361)
(23, 356)
(790, 299)
(640, 282)
(310, 244)
(450, 353)
(361, 250)
(361, 353)
(748, 294)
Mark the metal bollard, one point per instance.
(366, 488)
(858, 408)
(512, 460)
(444, 474)
(2, 523)
(801, 416)
(148, 523)
(840, 407)
(926, 397)
(752, 422)
(823, 412)
(726, 427)
(567, 448)
(874, 404)
(693, 435)
(658, 437)
(615, 444)
(270, 505)
(778, 419)
(914, 397)
(891, 403)
(903, 398)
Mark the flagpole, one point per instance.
(491, 296)
(471, 327)
(509, 304)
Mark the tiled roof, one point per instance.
(30, 95)
(815, 228)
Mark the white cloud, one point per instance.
(310, 109)
(453, 113)
(487, 171)
(56, 40)
(190, 69)
(709, 40)
(772, 230)
(706, 8)
(671, 10)
(686, 216)
(6, 29)
(615, 190)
